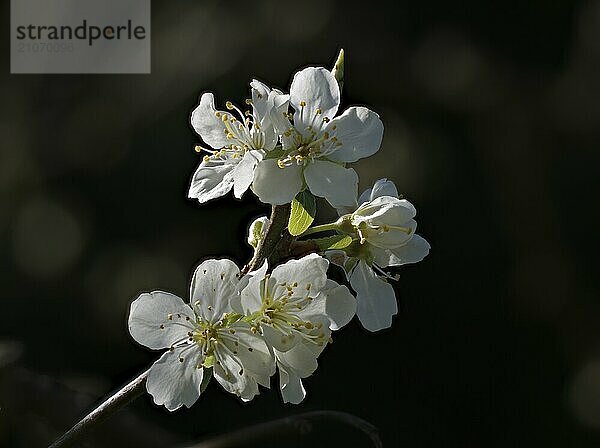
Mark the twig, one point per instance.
(276, 243)
(113, 403)
(300, 424)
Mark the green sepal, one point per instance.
(207, 375)
(209, 361)
(231, 318)
(275, 153)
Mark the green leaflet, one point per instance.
(333, 242)
(304, 209)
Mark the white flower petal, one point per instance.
(243, 173)
(292, 389)
(385, 210)
(274, 185)
(250, 391)
(260, 98)
(207, 124)
(173, 383)
(340, 305)
(384, 187)
(302, 359)
(253, 353)
(360, 131)
(309, 272)
(211, 180)
(229, 373)
(295, 364)
(250, 296)
(335, 306)
(318, 89)
(213, 284)
(277, 339)
(149, 311)
(281, 123)
(333, 182)
(414, 251)
(381, 187)
(376, 300)
(394, 237)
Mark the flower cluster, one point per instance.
(242, 327)
(279, 153)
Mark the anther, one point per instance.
(170, 316)
(162, 327)
(229, 105)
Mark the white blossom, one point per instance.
(385, 227)
(237, 140)
(295, 308)
(316, 145)
(203, 338)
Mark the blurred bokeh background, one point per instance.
(492, 115)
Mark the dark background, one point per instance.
(492, 122)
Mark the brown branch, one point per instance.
(113, 403)
(275, 246)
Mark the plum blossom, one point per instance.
(203, 338)
(316, 145)
(384, 227)
(237, 143)
(295, 308)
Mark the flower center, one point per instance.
(245, 134)
(308, 140)
(280, 307)
(201, 334)
(365, 230)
